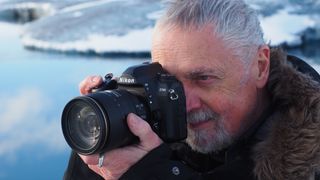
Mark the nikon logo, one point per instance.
(127, 80)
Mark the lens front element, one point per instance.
(84, 128)
(84, 124)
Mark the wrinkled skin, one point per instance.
(213, 79)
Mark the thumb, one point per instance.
(139, 127)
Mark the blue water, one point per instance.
(34, 88)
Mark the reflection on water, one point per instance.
(33, 94)
(35, 86)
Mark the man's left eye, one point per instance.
(203, 78)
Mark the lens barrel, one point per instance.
(97, 123)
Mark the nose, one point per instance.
(192, 99)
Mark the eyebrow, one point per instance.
(218, 73)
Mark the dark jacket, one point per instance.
(283, 144)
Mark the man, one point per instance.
(253, 113)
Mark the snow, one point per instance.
(134, 41)
(86, 5)
(285, 27)
(82, 26)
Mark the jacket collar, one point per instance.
(291, 146)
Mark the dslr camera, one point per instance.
(96, 123)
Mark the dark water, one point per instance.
(34, 88)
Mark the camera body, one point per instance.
(96, 122)
(164, 96)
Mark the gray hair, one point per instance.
(233, 21)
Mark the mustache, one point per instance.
(197, 116)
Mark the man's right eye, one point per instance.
(205, 80)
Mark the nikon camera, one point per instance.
(96, 123)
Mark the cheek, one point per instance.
(240, 110)
(232, 107)
(219, 103)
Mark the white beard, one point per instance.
(208, 140)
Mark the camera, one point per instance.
(96, 123)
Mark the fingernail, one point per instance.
(95, 79)
(133, 119)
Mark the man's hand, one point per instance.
(89, 83)
(118, 161)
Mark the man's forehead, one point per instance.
(193, 69)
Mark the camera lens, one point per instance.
(97, 122)
(84, 124)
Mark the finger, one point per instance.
(89, 83)
(90, 159)
(139, 127)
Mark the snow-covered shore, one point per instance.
(110, 26)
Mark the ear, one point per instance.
(263, 66)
